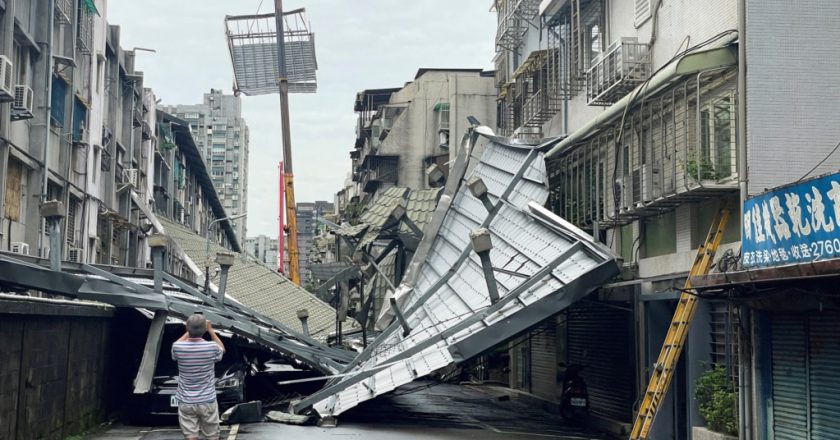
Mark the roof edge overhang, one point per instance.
(723, 54)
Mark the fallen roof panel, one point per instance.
(178, 298)
(448, 313)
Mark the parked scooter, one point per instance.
(574, 400)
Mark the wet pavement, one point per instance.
(417, 411)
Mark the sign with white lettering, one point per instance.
(793, 224)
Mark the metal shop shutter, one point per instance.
(824, 376)
(790, 421)
(544, 360)
(600, 338)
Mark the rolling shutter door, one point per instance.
(600, 338)
(544, 360)
(824, 376)
(790, 420)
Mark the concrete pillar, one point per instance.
(481, 243)
(225, 261)
(158, 244)
(303, 315)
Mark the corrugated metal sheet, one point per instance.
(600, 338)
(825, 376)
(790, 386)
(255, 67)
(259, 287)
(445, 300)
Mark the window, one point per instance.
(717, 139)
(21, 64)
(70, 221)
(442, 110)
(79, 121)
(660, 234)
(58, 101)
(15, 182)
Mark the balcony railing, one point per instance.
(623, 67)
(679, 152)
(64, 10)
(513, 21)
(539, 108)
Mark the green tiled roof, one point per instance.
(420, 206)
(259, 287)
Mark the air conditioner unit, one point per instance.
(24, 102)
(75, 255)
(646, 184)
(131, 176)
(20, 248)
(626, 201)
(7, 90)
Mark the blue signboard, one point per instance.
(793, 224)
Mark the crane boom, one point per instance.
(288, 174)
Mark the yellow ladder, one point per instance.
(663, 370)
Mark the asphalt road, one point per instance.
(417, 411)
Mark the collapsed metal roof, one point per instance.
(445, 312)
(130, 287)
(377, 220)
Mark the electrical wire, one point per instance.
(642, 90)
(836, 147)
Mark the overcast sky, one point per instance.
(360, 44)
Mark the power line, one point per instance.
(820, 162)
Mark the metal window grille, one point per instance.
(671, 151)
(85, 34)
(513, 19)
(64, 10)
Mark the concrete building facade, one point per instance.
(83, 114)
(264, 249)
(402, 132)
(662, 125)
(308, 214)
(222, 136)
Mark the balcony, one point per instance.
(624, 66)
(681, 152)
(378, 170)
(514, 17)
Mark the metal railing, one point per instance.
(513, 21)
(670, 151)
(623, 67)
(85, 38)
(64, 10)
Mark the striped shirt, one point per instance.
(196, 370)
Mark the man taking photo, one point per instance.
(198, 411)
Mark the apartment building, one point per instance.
(222, 137)
(308, 214)
(264, 249)
(661, 127)
(81, 113)
(402, 133)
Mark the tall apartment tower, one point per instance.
(221, 135)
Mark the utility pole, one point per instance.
(288, 175)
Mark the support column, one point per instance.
(145, 374)
(303, 316)
(225, 261)
(481, 243)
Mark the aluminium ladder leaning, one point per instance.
(663, 369)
